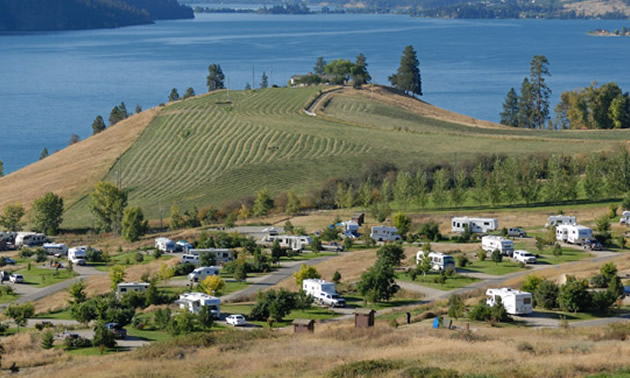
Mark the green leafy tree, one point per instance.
(162, 317)
(546, 295)
(403, 189)
(440, 185)
(77, 292)
(497, 257)
(391, 254)
(173, 96)
(305, 272)
(573, 295)
(117, 275)
(479, 183)
(420, 188)
(20, 313)
(264, 81)
(387, 192)
(456, 306)
(425, 264)
(593, 174)
(134, 226)
(190, 92)
(458, 191)
(294, 206)
(320, 66)
(215, 78)
(263, 203)
(11, 218)
(340, 70)
(336, 278)
(107, 205)
(181, 324)
(407, 78)
(402, 222)
(103, 337)
(47, 213)
(316, 244)
(378, 282)
(205, 317)
(509, 115)
(556, 250)
(84, 312)
(528, 185)
(98, 125)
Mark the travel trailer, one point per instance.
(201, 273)
(323, 292)
(165, 245)
(193, 302)
(55, 249)
(296, 243)
(440, 261)
(516, 302)
(573, 234)
(29, 239)
(350, 228)
(384, 233)
(477, 225)
(221, 255)
(625, 218)
(77, 255)
(558, 220)
(491, 243)
(126, 287)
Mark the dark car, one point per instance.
(118, 331)
(592, 244)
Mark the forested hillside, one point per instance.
(25, 15)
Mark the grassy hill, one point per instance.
(208, 150)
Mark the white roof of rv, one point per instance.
(505, 290)
(197, 297)
(473, 218)
(53, 245)
(202, 268)
(125, 284)
(316, 280)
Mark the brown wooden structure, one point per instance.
(303, 325)
(364, 318)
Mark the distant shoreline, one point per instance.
(625, 32)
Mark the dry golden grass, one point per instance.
(73, 171)
(24, 349)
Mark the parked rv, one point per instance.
(524, 257)
(201, 273)
(350, 229)
(516, 302)
(55, 249)
(77, 255)
(29, 239)
(573, 234)
(165, 245)
(221, 255)
(323, 292)
(558, 220)
(127, 287)
(193, 302)
(625, 218)
(491, 243)
(440, 261)
(384, 233)
(476, 225)
(516, 233)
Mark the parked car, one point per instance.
(516, 233)
(332, 246)
(16, 278)
(8, 260)
(118, 331)
(524, 257)
(236, 320)
(592, 244)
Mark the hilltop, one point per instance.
(209, 150)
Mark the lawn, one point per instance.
(42, 277)
(314, 312)
(574, 317)
(6, 298)
(148, 333)
(454, 282)
(308, 256)
(356, 301)
(490, 267)
(127, 259)
(59, 314)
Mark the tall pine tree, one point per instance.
(407, 78)
(215, 77)
(538, 70)
(509, 115)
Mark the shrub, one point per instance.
(462, 261)
(76, 343)
(546, 295)
(481, 255)
(94, 255)
(526, 347)
(48, 338)
(26, 252)
(183, 269)
(599, 281)
(139, 257)
(468, 336)
(429, 372)
(365, 368)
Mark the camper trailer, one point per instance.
(29, 239)
(491, 243)
(477, 225)
(201, 273)
(165, 245)
(323, 292)
(193, 302)
(516, 302)
(77, 255)
(296, 243)
(625, 218)
(573, 234)
(440, 261)
(558, 220)
(127, 287)
(384, 233)
(221, 255)
(350, 228)
(55, 249)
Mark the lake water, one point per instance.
(54, 84)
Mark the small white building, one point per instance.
(516, 302)
(127, 287)
(201, 273)
(491, 243)
(439, 261)
(558, 220)
(165, 245)
(384, 233)
(323, 292)
(193, 302)
(477, 225)
(77, 255)
(221, 255)
(573, 234)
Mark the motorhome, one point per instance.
(296, 243)
(189, 258)
(516, 302)
(323, 292)
(29, 239)
(573, 234)
(201, 273)
(55, 249)
(77, 255)
(491, 243)
(558, 220)
(193, 302)
(384, 233)
(477, 225)
(439, 261)
(350, 228)
(221, 255)
(625, 218)
(127, 287)
(165, 245)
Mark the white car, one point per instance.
(16, 278)
(236, 320)
(524, 257)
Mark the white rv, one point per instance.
(558, 220)
(56, 249)
(77, 255)
(221, 255)
(126, 287)
(189, 258)
(477, 225)
(165, 245)
(296, 243)
(516, 302)
(350, 228)
(384, 233)
(323, 292)
(29, 239)
(440, 261)
(201, 273)
(573, 234)
(193, 302)
(491, 243)
(625, 218)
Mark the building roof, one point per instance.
(306, 322)
(363, 311)
(196, 297)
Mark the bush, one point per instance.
(183, 269)
(546, 295)
(481, 255)
(40, 255)
(430, 231)
(48, 338)
(526, 347)
(139, 257)
(94, 255)
(462, 261)
(429, 372)
(599, 281)
(76, 343)
(26, 252)
(367, 368)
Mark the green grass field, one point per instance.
(42, 277)
(204, 151)
(497, 269)
(454, 282)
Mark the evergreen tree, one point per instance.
(509, 116)
(174, 96)
(1, 168)
(440, 186)
(43, 155)
(215, 78)
(190, 92)
(526, 105)
(264, 81)
(74, 138)
(538, 70)
(359, 72)
(138, 109)
(98, 125)
(116, 115)
(123, 110)
(319, 68)
(407, 78)
(248, 87)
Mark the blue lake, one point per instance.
(54, 84)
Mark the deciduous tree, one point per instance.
(47, 213)
(305, 272)
(11, 218)
(107, 205)
(134, 226)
